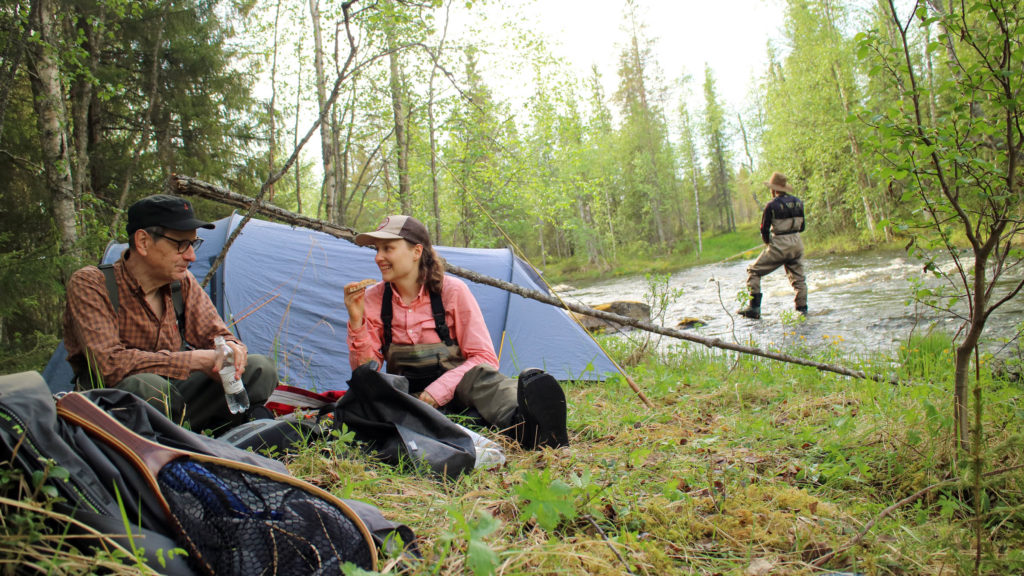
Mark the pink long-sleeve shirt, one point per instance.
(414, 324)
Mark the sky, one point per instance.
(729, 35)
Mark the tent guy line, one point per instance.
(177, 184)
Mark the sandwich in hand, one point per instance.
(359, 286)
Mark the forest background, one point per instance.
(102, 100)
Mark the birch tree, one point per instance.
(962, 173)
(52, 118)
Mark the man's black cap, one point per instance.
(171, 212)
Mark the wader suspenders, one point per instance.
(176, 299)
(436, 309)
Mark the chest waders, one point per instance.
(420, 363)
(531, 410)
(784, 248)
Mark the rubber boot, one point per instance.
(802, 309)
(541, 411)
(753, 309)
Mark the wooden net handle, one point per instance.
(144, 454)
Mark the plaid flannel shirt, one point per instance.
(135, 341)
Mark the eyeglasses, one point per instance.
(182, 244)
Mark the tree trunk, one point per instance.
(401, 136)
(295, 135)
(696, 208)
(589, 228)
(327, 195)
(540, 240)
(144, 129)
(863, 180)
(750, 161)
(48, 100)
(432, 128)
(82, 100)
(272, 106)
(340, 163)
(977, 318)
(434, 184)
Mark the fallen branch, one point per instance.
(193, 187)
(822, 560)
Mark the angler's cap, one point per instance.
(171, 212)
(779, 182)
(394, 228)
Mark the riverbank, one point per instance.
(744, 243)
(740, 466)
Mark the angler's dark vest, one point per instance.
(421, 364)
(787, 215)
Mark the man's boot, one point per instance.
(753, 309)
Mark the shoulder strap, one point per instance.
(440, 325)
(386, 316)
(176, 299)
(108, 274)
(436, 310)
(179, 312)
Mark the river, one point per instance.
(858, 300)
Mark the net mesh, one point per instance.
(245, 523)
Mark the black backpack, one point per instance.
(400, 427)
(32, 436)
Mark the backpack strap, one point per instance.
(176, 299)
(436, 310)
(108, 274)
(179, 312)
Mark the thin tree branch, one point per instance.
(191, 186)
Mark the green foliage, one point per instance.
(195, 117)
(808, 98)
(33, 533)
(549, 501)
(480, 557)
(952, 143)
(926, 356)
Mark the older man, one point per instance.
(781, 225)
(122, 329)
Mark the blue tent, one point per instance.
(281, 287)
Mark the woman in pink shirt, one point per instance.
(427, 326)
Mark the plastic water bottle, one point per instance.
(234, 390)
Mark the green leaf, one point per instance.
(350, 569)
(548, 501)
(482, 560)
(484, 526)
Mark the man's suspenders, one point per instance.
(176, 299)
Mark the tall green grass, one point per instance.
(741, 466)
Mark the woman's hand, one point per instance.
(426, 397)
(355, 301)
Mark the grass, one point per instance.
(744, 243)
(742, 466)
